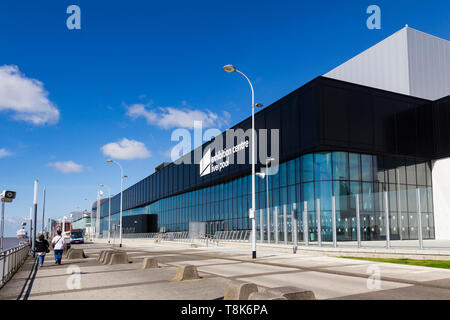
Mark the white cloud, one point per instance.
(126, 149)
(25, 97)
(4, 153)
(169, 117)
(66, 166)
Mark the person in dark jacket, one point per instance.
(41, 248)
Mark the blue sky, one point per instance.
(162, 61)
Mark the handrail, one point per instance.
(11, 260)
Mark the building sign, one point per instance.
(220, 160)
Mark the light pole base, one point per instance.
(253, 254)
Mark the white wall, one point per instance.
(409, 62)
(441, 198)
(383, 66)
(429, 65)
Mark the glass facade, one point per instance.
(307, 178)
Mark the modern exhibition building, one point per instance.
(372, 135)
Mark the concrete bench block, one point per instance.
(67, 252)
(264, 296)
(76, 254)
(107, 256)
(193, 245)
(100, 256)
(119, 258)
(239, 290)
(291, 293)
(149, 263)
(186, 272)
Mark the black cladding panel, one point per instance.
(324, 114)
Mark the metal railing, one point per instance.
(233, 235)
(185, 236)
(11, 260)
(167, 236)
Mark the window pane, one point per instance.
(340, 171)
(341, 192)
(367, 191)
(322, 166)
(282, 173)
(354, 165)
(307, 167)
(307, 192)
(411, 174)
(323, 191)
(421, 174)
(291, 172)
(366, 166)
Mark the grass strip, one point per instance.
(443, 264)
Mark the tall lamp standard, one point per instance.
(109, 213)
(121, 198)
(229, 68)
(90, 217)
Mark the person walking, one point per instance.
(41, 249)
(58, 246)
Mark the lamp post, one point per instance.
(229, 68)
(109, 213)
(121, 198)
(90, 222)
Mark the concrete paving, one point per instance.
(328, 277)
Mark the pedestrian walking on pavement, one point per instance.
(42, 246)
(58, 246)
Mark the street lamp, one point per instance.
(90, 217)
(121, 197)
(5, 196)
(230, 68)
(109, 207)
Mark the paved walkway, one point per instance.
(328, 277)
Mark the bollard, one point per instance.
(275, 218)
(333, 219)
(118, 258)
(107, 257)
(292, 293)
(386, 211)
(264, 296)
(419, 221)
(358, 222)
(305, 224)
(149, 263)
(186, 272)
(295, 226)
(76, 254)
(319, 223)
(100, 256)
(261, 226)
(239, 290)
(285, 229)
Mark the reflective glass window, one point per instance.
(291, 172)
(323, 191)
(282, 173)
(322, 166)
(307, 192)
(366, 167)
(340, 171)
(354, 165)
(307, 168)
